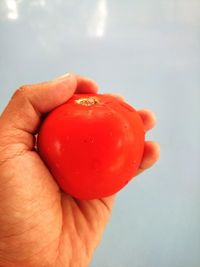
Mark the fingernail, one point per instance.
(62, 77)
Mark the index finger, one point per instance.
(86, 85)
(148, 118)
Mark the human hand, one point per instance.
(40, 226)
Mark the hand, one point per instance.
(40, 226)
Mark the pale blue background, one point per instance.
(148, 51)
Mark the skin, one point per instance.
(40, 226)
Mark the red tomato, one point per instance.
(93, 145)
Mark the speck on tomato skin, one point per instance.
(92, 144)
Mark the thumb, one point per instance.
(28, 102)
(22, 116)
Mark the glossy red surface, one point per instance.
(93, 145)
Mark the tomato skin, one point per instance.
(93, 149)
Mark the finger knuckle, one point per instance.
(21, 91)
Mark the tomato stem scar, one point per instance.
(88, 101)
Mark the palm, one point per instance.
(40, 225)
(53, 225)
